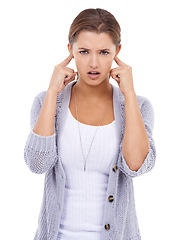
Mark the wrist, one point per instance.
(52, 91)
(129, 93)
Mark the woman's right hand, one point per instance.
(62, 75)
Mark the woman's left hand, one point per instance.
(123, 76)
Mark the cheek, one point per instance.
(108, 64)
(79, 62)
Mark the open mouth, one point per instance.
(93, 73)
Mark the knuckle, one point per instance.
(56, 67)
(129, 67)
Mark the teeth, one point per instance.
(94, 73)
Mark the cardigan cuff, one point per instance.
(41, 143)
(145, 167)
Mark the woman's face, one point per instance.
(93, 52)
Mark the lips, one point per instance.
(93, 74)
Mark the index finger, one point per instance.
(67, 60)
(118, 61)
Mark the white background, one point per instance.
(34, 37)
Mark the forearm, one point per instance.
(136, 143)
(45, 122)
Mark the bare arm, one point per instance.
(40, 152)
(45, 122)
(138, 152)
(136, 143)
(60, 78)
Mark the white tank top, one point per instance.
(85, 192)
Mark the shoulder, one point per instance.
(145, 104)
(41, 96)
(147, 110)
(142, 101)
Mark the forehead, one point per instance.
(87, 39)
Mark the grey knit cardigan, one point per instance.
(42, 155)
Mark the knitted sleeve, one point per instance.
(148, 119)
(40, 151)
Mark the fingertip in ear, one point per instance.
(69, 49)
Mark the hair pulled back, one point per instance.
(95, 20)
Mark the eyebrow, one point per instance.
(105, 49)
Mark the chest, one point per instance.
(99, 146)
(92, 113)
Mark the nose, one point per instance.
(94, 61)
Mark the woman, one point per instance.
(90, 138)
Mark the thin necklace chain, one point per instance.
(85, 158)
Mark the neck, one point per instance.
(91, 92)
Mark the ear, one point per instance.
(118, 50)
(70, 49)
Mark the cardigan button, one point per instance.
(110, 198)
(115, 168)
(107, 226)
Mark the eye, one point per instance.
(83, 52)
(104, 52)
